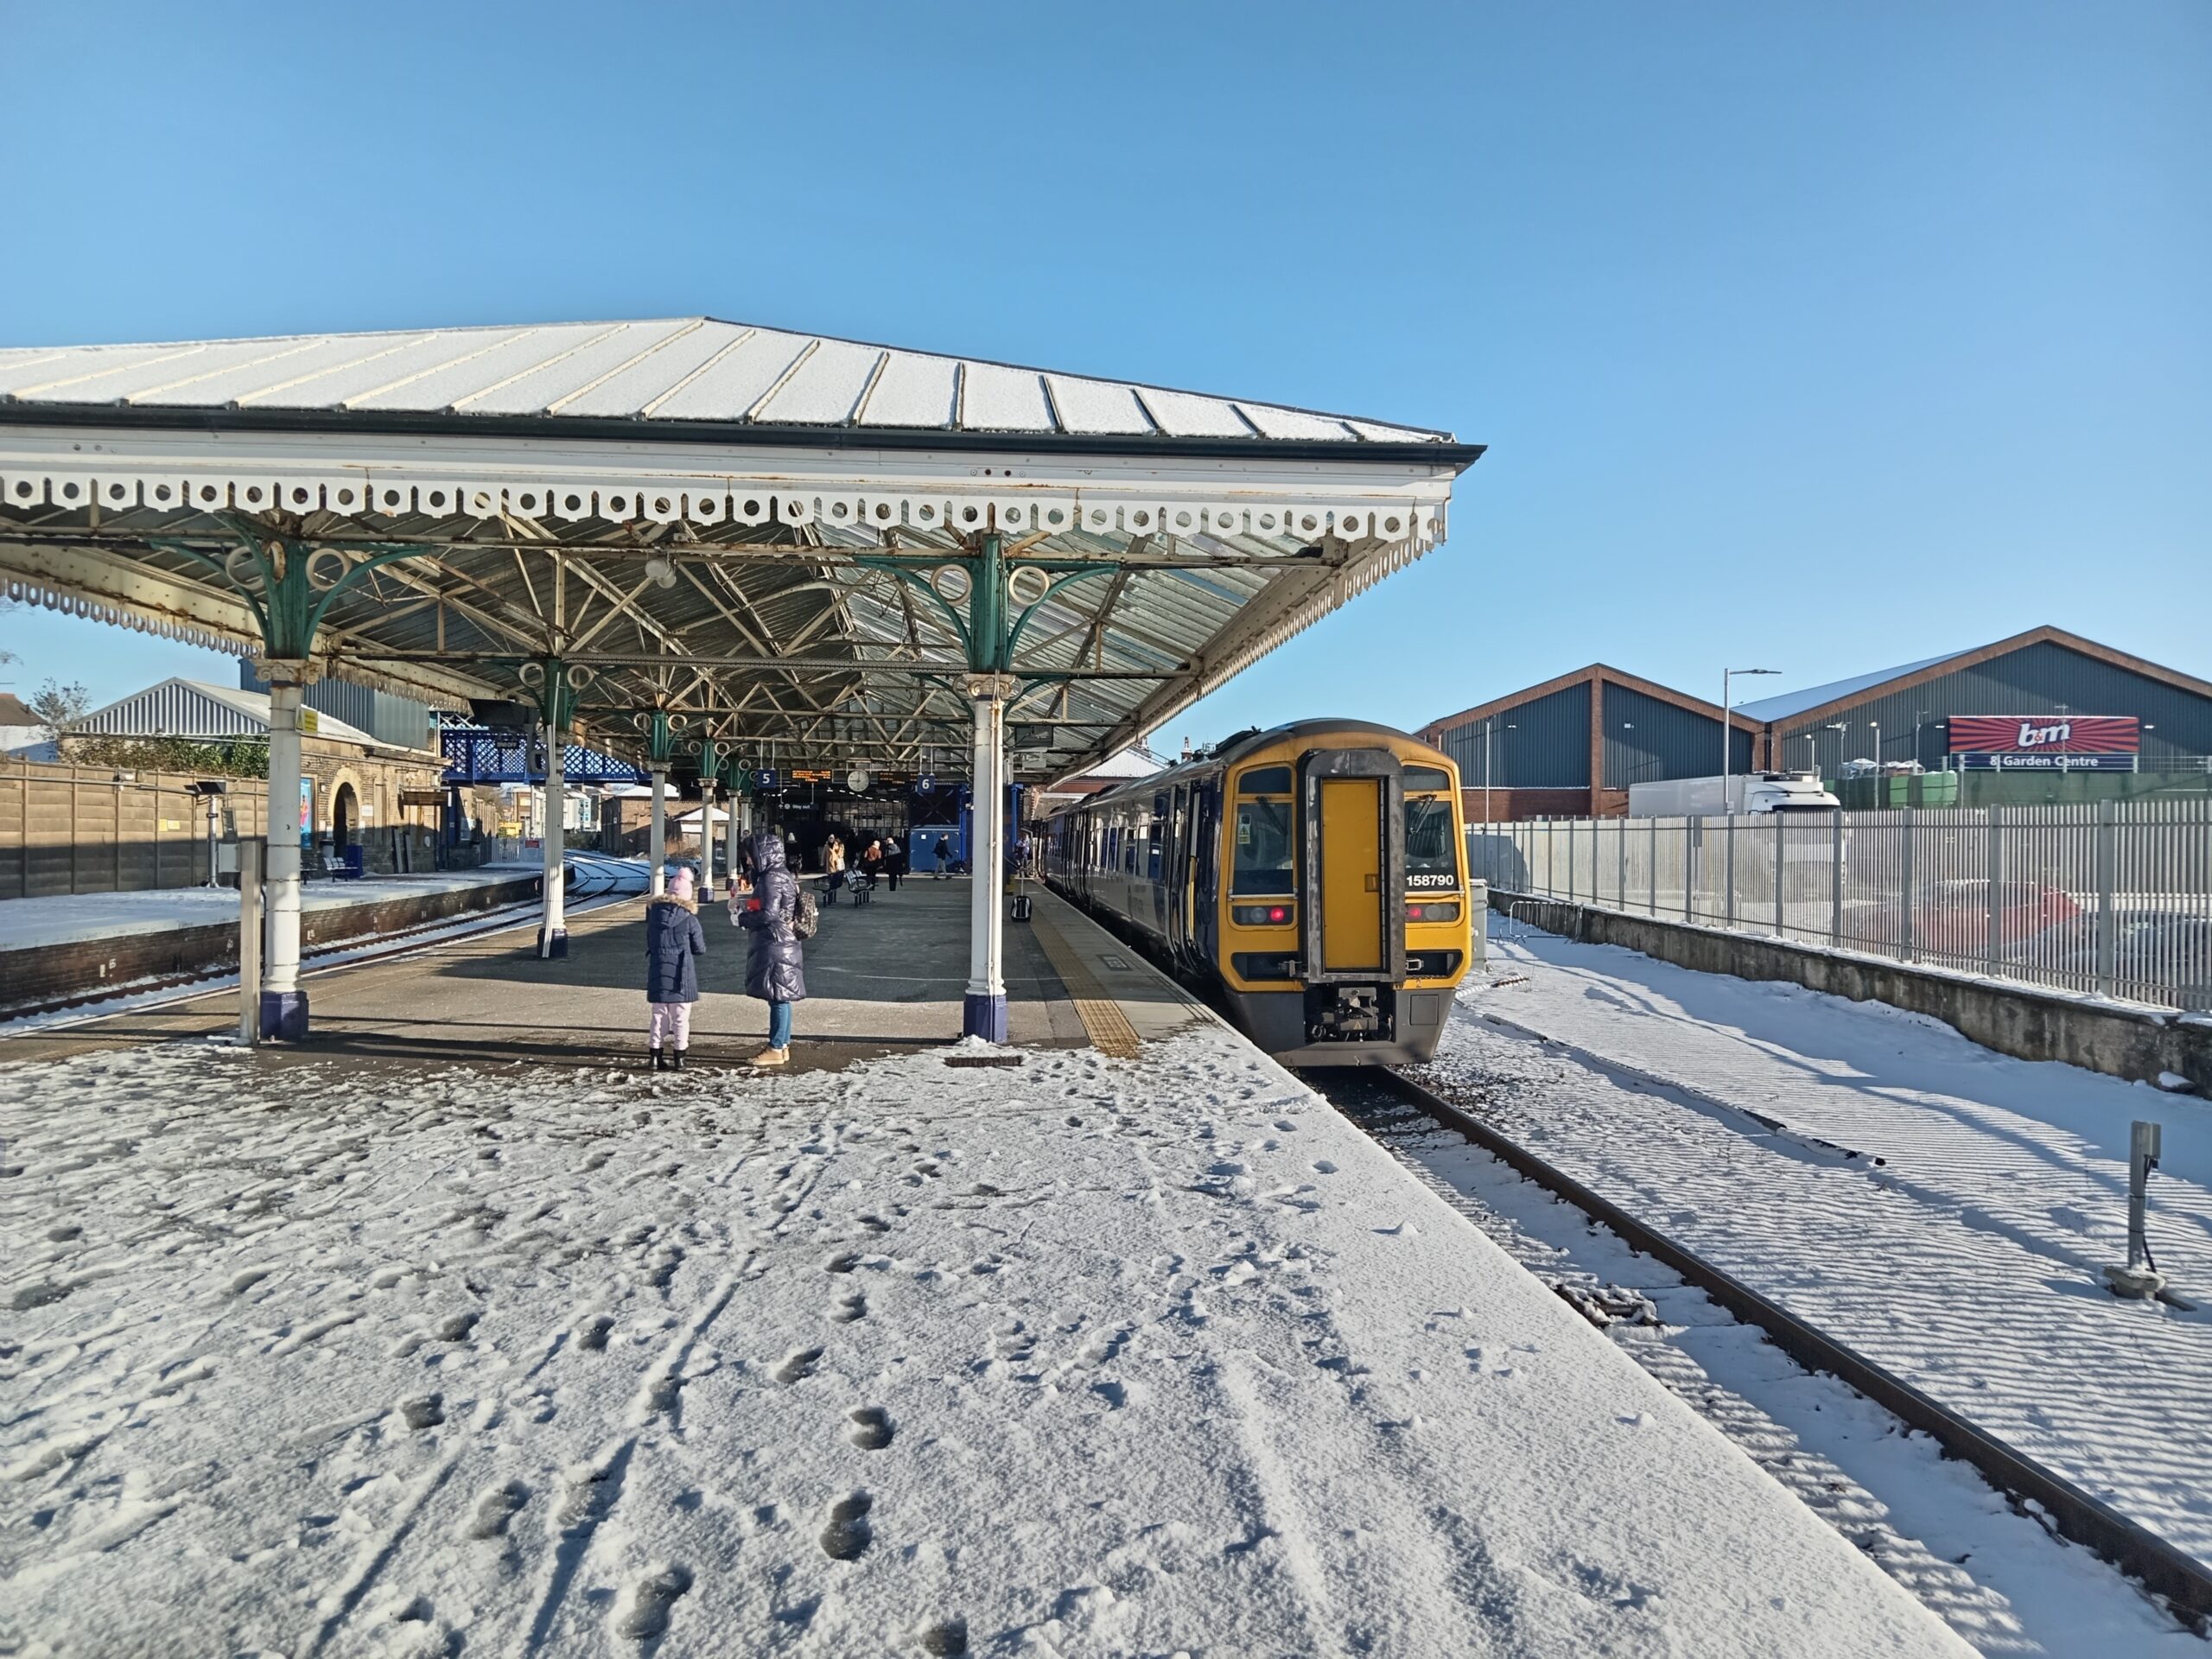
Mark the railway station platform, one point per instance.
(453, 1326)
(883, 977)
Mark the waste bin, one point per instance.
(352, 857)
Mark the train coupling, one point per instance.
(1345, 1013)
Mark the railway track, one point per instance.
(2180, 1582)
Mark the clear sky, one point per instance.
(1820, 337)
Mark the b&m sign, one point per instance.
(2046, 742)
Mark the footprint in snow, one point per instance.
(848, 1534)
(495, 1507)
(871, 1428)
(641, 1612)
(799, 1364)
(849, 1308)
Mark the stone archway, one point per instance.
(345, 818)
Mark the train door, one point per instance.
(1179, 874)
(1352, 804)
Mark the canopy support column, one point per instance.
(284, 1004)
(983, 1009)
(553, 930)
(553, 683)
(657, 837)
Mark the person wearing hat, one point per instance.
(673, 938)
(775, 962)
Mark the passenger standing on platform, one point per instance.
(872, 862)
(833, 861)
(673, 939)
(943, 856)
(894, 861)
(775, 966)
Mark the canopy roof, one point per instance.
(738, 526)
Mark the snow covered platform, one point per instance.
(1079, 1356)
(1944, 1209)
(76, 919)
(883, 977)
(62, 951)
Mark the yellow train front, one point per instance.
(1312, 874)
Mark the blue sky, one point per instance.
(1822, 337)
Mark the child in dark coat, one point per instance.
(673, 938)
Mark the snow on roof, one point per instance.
(668, 370)
(1767, 709)
(197, 708)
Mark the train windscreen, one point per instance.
(1431, 850)
(1263, 847)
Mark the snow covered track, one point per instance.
(1083, 1356)
(2186, 1583)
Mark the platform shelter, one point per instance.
(699, 546)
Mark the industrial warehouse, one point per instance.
(2042, 716)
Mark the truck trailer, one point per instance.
(1738, 793)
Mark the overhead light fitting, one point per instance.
(660, 572)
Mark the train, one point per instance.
(1312, 876)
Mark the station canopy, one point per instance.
(768, 540)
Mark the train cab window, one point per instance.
(1420, 779)
(1266, 780)
(1431, 850)
(1263, 862)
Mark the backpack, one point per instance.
(806, 916)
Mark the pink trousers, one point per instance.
(671, 1023)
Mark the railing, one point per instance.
(2111, 898)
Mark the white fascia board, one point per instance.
(1289, 502)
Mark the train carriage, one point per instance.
(1313, 874)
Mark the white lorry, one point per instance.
(1740, 793)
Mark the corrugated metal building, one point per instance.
(399, 721)
(1571, 746)
(1899, 713)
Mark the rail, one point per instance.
(2184, 1582)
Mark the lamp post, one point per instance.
(1842, 730)
(1728, 728)
(1875, 726)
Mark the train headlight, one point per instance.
(1433, 910)
(1261, 915)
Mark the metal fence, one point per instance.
(2114, 898)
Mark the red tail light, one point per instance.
(1433, 911)
(1261, 915)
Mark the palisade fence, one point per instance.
(2113, 898)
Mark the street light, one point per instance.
(1842, 730)
(1728, 728)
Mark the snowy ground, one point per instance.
(1968, 1260)
(1087, 1357)
(1995, 1575)
(70, 918)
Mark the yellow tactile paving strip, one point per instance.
(1104, 1022)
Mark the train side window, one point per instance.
(1155, 845)
(1263, 847)
(1265, 780)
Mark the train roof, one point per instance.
(1241, 744)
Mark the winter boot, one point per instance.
(773, 1056)
(652, 1059)
(675, 1061)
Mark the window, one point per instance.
(1432, 853)
(1263, 854)
(1419, 778)
(1265, 780)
